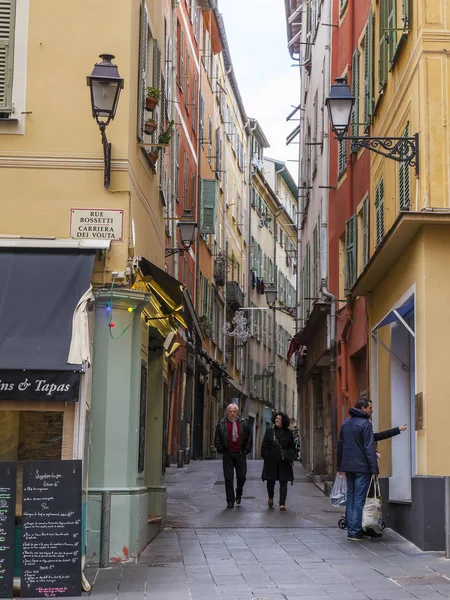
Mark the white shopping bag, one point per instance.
(372, 515)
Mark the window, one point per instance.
(351, 252)
(201, 118)
(185, 185)
(210, 141)
(218, 155)
(342, 157)
(365, 232)
(355, 92)
(368, 72)
(180, 58)
(194, 105)
(186, 95)
(177, 166)
(316, 261)
(5, 94)
(208, 206)
(379, 211)
(193, 182)
(269, 331)
(383, 44)
(403, 180)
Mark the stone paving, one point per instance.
(210, 553)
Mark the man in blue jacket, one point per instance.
(357, 458)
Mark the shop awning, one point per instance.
(398, 314)
(39, 290)
(169, 290)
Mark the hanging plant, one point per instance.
(165, 136)
(150, 126)
(154, 155)
(153, 98)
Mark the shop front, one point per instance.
(45, 332)
(405, 283)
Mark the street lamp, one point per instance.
(271, 298)
(269, 372)
(340, 104)
(187, 228)
(105, 84)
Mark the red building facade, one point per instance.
(349, 178)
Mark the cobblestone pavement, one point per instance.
(208, 552)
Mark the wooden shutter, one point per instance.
(186, 93)
(351, 253)
(392, 25)
(211, 304)
(264, 328)
(342, 157)
(142, 83)
(365, 231)
(379, 211)
(383, 46)
(405, 13)
(307, 278)
(355, 92)
(181, 60)
(194, 106)
(404, 180)
(368, 72)
(269, 331)
(201, 120)
(208, 206)
(7, 26)
(156, 82)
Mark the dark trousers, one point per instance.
(234, 461)
(283, 491)
(357, 486)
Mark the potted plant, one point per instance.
(150, 126)
(153, 98)
(154, 154)
(205, 325)
(166, 135)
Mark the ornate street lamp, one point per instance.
(187, 229)
(269, 372)
(340, 103)
(271, 298)
(105, 84)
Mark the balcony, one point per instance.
(234, 296)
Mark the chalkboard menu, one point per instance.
(7, 527)
(51, 529)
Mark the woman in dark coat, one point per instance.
(278, 452)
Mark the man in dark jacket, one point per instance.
(357, 458)
(233, 439)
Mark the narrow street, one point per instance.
(207, 552)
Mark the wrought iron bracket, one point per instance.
(260, 377)
(172, 251)
(401, 149)
(287, 310)
(106, 155)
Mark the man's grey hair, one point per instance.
(232, 405)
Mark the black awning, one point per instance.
(166, 282)
(39, 291)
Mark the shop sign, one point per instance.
(40, 385)
(97, 224)
(51, 529)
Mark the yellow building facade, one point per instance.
(405, 280)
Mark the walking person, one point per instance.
(278, 452)
(357, 458)
(233, 439)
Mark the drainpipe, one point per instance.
(324, 261)
(173, 143)
(199, 167)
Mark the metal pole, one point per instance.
(105, 530)
(180, 462)
(447, 516)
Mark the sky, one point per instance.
(269, 85)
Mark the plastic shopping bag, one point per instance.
(372, 515)
(338, 494)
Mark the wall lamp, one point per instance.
(340, 103)
(187, 229)
(271, 298)
(269, 372)
(105, 84)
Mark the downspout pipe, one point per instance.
(324, 267)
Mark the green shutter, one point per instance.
(211, 303)
(342, 157)
(383, 46)
(404, 180)
(405, 13)
(208, 206)
(392, 25)
(264, 327)
(365, 228)
(143, 50)
(351, 252)
(379, 211)
(355, 92)
(307, 278)
(368, 72)
(7, 25)
(201, 120)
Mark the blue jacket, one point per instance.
(356, 447)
